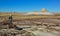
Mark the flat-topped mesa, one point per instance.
(44, 10)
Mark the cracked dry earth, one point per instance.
(52, 30)
(40, 32)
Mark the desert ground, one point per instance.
(32, 25)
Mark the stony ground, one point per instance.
(48, 27)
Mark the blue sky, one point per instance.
(29, 5)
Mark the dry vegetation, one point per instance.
(21, 16)
(39, 25)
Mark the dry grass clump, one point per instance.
(22, 31)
